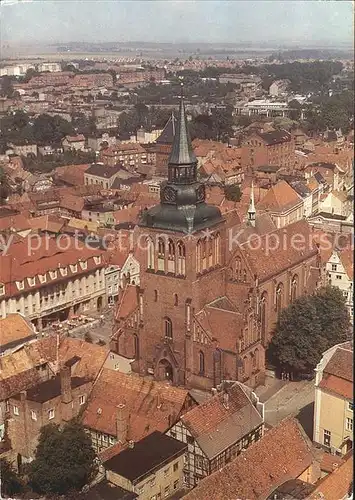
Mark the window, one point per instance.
(189, 440)
(351, 406)
(152, 482)
(83, 264)
(63, 271)
(171, 257)
(176, 484)
(82, 400)
(50, 414)
(175, 467)
(31, 281)
(338, 276)
(140, 490)
(349, 424)
(97, 260)
(33, 415)
(2, 289)
(279, 298)
(42, 278)
(334, 267)
(166, 491)
(155, 295)
(16, 410)
(53, 275)
(74, 268)
(112, 440)
(166, 472)
(20, 285)
(173, 434)
(176, 300)
(161, 255)
(326, 437)
(168, 328)
(201, 357)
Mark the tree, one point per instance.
(308, 327)
(5, 188)
(7, 89)
(233, 192)
(11, 484)
(333, 314)
(64, 461)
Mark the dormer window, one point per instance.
(63, 271)
(42, 278)
(97, 259)
(74, 268)
(2, 289)
(31, 281)
(53, 275)
(83, 264)
(20, 285)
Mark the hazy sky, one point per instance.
(176, 20)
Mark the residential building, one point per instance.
(305, 192)
(124, 407)
(340, 273)
(333, 174)
(56, 400)
(207, 305)
(22, 392)
(278, 88)
(336, 202)
(74, 143)
(334, 405)
(25, 149)
(104, 141)
(218, 430)
(338, 484)
(52, 280)
(283, 203)
(101, 174)
(151, 468)
(268, 148)
(53, 67)
(332, 222)
(283, 453)
(132, 156)
(15, 331)
(112, 280)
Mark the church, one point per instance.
(210, 293)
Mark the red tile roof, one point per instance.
(151, 405)
(337, 484)
(265, 262)
(14, 328)
(279, 198)
(129, 302)
(282, 453)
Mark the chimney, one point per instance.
(121, 422)
(65, 384)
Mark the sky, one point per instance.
(297, 21)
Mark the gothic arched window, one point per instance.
(168, 328)
(204, 253)
(210, 252)
(181, 266)
(238, 268)
(263, 307)
(161, 255)
(198, 256)
(150, 254)
(171, 257)
(176, 300)
(279, 298)
(217, 242)
(294, 288)
(201, 362)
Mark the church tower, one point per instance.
(183, 238)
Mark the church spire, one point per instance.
(182, 164)
(251, 209)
